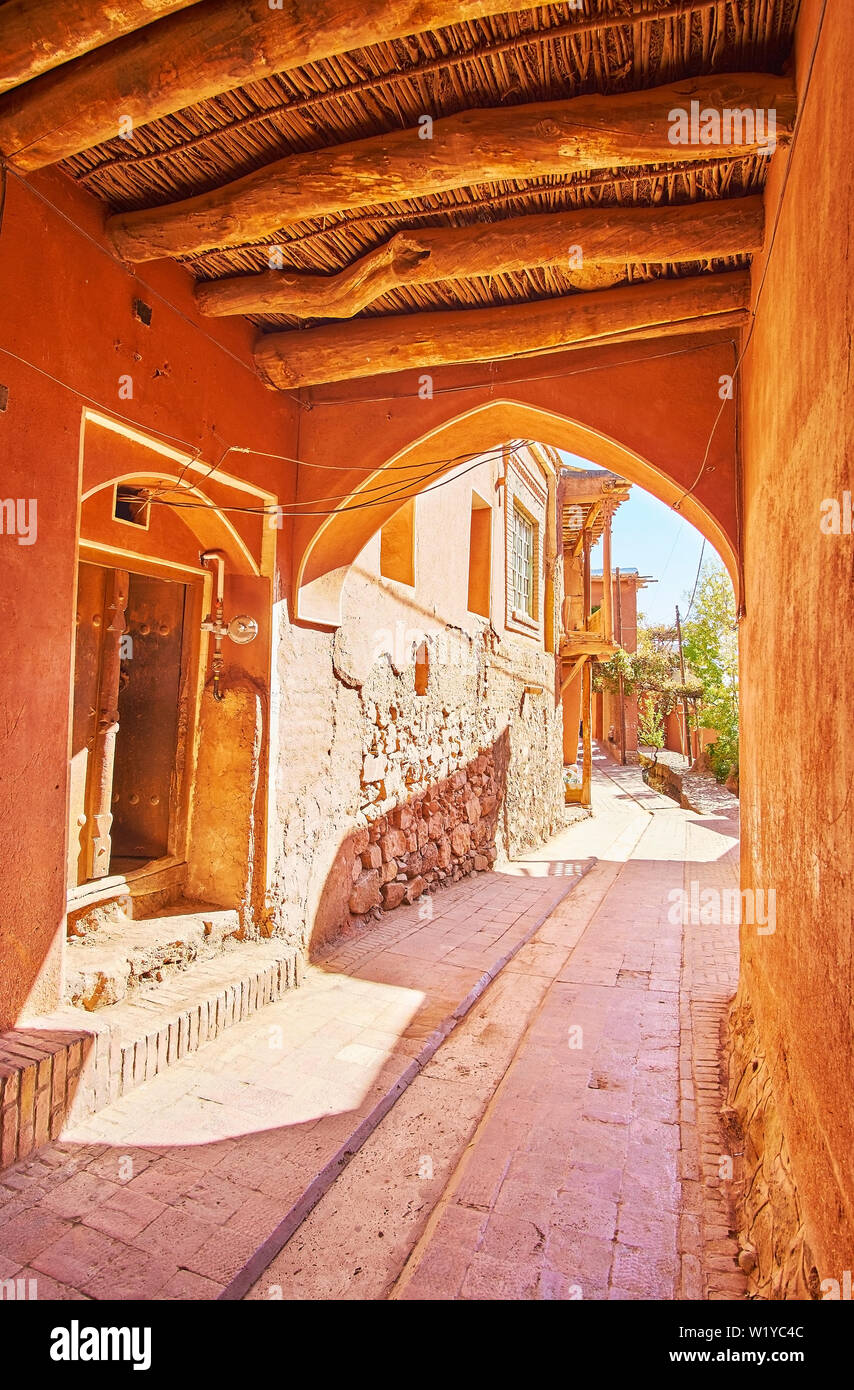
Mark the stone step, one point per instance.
(107, 965)
(68, 1064)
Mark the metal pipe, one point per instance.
(216, 557)
(214, 622)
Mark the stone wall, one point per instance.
(661, 777)
(437, 838)
(383, 794)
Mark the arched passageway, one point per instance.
(650, 412)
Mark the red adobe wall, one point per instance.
(797, 766)
(674, 724)
(606, 705)
(67, 309)
(645, 410)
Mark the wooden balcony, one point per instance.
(592, 640)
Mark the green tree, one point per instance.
(652, 670)
(711, 648)
(653, 674)
(650, 724)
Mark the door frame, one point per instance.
(198, 581)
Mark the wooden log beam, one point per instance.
(587, 644)
(35, 37)
(341, 352)
(695, 231)
(208, 49)
(488, 49)
(571, 674)
(479, 146)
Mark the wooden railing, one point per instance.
(596, 622)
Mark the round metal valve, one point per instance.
(242, 629)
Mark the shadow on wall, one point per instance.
(435, 838)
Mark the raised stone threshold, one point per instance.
(110, 961)
(68, 1064)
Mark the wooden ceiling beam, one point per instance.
(589, 523)
(471, 147)
(487, 50)
(189, 57)
(586, 497)
(575, 240)
(36, 36)
(368, 347)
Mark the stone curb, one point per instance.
(251, 1271)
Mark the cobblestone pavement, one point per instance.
(171, 1191)
(515, 1099)
(564, 1142)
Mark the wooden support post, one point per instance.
(607, 592)
(592, 516)
(621, 694)
(570, 677)
(687, 740)
(587, 732)
(570, 695)
(588, 601)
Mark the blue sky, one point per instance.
(649, 536)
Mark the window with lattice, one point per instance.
(522, 551)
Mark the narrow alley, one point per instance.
(565, 1141)
(526, 1086)
(426, 772)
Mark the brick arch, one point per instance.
(219, 511)
(647, 415)
(210, 526)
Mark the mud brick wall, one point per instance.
(385, 794)
(797, 446)
(776, 1253)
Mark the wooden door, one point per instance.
(101, 598)
(126, 722)
(145, 771)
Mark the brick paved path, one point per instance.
(520, 1166)
(494, 1160)
(609, 1186)
(171, 1190)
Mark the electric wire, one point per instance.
(195, 451)
(697, 580)
(393, 494)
